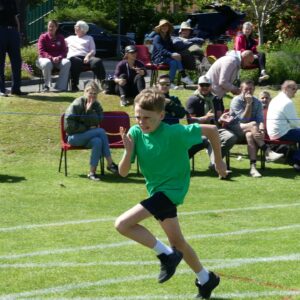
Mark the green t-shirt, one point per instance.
(163, 157)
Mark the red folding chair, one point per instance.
(216, 50)
(65, 147)
(144, 56)
(111, 123)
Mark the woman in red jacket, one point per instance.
(245, 41)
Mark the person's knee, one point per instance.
(96, 142)
(121, 225)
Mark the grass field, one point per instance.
(57, 239)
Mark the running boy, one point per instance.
(162, 151)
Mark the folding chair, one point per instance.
(65, 147)
(216, 50)
(144, 56)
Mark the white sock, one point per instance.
(160, 248)
(203, 276)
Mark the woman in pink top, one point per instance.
(52, 54)
(82, 52)
(245, 41)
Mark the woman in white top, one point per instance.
(82, 52)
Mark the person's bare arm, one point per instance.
(211, 132)
(125, 163)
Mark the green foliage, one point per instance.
(29, 55)
(82, 13)
(283, 62)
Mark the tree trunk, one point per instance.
(260, 35)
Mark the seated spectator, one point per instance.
(52, 54)
(164, 53)
(81, 123)
(129, 75)
(282, 120)
(81, 52)
(189, 48)
(248, 124)
(225, 71)
(265, 99)
(245, 41)
(174, 111)
(206, 108)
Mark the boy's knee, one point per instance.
(120, 225)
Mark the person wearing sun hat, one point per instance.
(189, 48)
(164, 52)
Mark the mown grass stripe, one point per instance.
(111, 219)
(214, 263)
(127, 243)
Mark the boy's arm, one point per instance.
(211, 132)
(125, 163)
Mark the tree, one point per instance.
(263, 9)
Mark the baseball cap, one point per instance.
(130, 49)
(204, 79)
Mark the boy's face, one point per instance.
(148, 120)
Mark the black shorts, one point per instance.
(160, 206)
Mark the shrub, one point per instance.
(82, 13)
(29, 55)
(283, 61)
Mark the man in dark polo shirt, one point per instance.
(206, 108)
(10, 43)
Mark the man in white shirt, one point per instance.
(282, 120)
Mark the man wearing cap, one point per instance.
(206, 108)
(10, 43)
(129, 75)
(225, 70)
(190, 49)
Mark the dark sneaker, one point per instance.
(93, 176)
(46, 89)
(18, 93)
(206, 289)
(75, 88)
(113, 168)
(168, 264)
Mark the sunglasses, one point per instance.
(164, 83)
(204, 84)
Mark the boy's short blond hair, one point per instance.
(150, 99)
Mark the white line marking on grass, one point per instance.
(242, 295)
(214, 263)
(112, 219)
(105, 282)
(199, 212)
(76, 222)
(121, 244)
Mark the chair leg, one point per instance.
(137, 167)
(66, 167)
(228, 160)
(262, 159)
(193, 163)
(60, 161)
(102, 165)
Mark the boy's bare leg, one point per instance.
(127, 224)
(172, 229)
